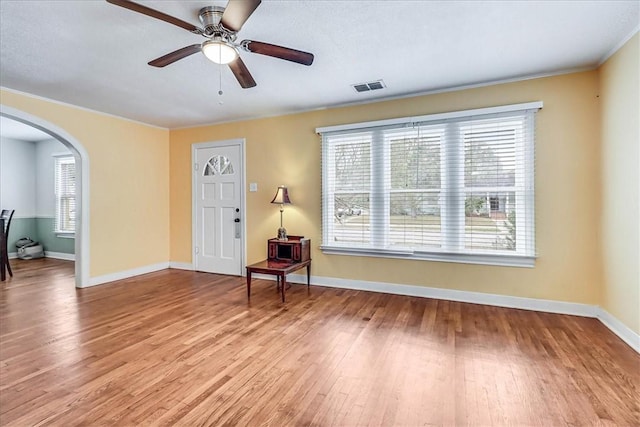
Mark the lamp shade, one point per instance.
(282, 196)
(219, 51)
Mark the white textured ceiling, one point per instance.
(94, 55)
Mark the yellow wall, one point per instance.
(129, 183)
(286, 150)
(620, 97)
(587, 187)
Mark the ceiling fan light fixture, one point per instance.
(219, 51)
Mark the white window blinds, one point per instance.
(451, 187)
(65, 181)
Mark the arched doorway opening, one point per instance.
(82, 183)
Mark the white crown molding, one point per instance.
(77, 107)
(355, 103)
(399, 96)
(533, 105)
(618, 46)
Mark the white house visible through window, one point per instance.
(65, 181)
(450, 187)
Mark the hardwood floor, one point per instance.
(185, 348)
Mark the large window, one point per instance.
(65, 181)
(450, 187)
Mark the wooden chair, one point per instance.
(6, 215)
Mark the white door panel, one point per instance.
(208, 229)
(218, 192)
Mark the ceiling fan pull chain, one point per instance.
(220, 27)
(220, 93)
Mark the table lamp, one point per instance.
(282, 198)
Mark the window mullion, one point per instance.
(452, 176)
(379, 193)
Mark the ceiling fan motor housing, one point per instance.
(220, 26)
(210, 18)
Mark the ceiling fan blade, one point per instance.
(237, 12)
(276, 51)
(242, 73)
(176, 55)
(156, 14)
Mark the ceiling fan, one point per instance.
(220, 26)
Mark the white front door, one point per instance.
(218, 218)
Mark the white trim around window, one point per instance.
(455, 187)
(65, 196)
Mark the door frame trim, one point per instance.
(241, 142)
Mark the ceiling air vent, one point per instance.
(366, 87)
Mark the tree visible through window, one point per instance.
(65, 181)
(461, 185)
(218, 165)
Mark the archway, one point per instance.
(82, 182)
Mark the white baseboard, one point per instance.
(93, 281)
(48, 254)
(620, 329)
(548, 306)
(181, 265)
(60, 255)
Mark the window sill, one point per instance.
(482, 259)
(65, 235)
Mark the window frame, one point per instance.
(59, 160)
(379, 246)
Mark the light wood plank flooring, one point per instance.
(185, 348)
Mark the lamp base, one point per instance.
(282, 234)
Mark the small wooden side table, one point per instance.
(279, 269)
